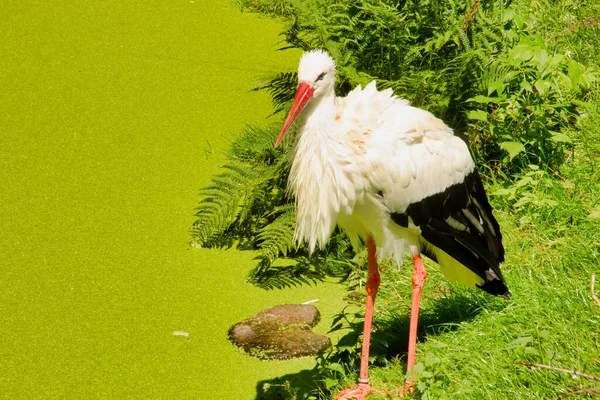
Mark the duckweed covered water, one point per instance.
(112, 116)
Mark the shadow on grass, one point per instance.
(389, 341)
(296, 386)
(442, 315)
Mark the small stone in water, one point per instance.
(280, 332)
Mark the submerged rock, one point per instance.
(280, 332)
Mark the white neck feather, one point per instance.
(319, 113)
(316, 173)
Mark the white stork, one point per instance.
(395, 176)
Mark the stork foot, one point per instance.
(403, 391)
(361, 391)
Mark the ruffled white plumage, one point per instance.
(353, 148)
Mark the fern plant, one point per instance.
(247, 206)
(441, 56)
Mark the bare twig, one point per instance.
(557, 174)
(564, 371)
(584, 390)
(593, 291)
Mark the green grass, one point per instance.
(470, 342)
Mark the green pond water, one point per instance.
(112, 115)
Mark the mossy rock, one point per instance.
(280, 332)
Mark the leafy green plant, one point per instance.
(530, 102)
(484, 67)
(527, 195)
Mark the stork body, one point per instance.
(396, 177)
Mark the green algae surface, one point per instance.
(112, 116)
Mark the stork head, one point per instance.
(316, 76)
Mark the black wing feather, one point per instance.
(459, 221)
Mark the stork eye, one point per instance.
(321, 76)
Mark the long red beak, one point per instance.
(303, 95)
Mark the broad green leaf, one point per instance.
(525, 220)
(337, 368)
(418, 368)
(521, 52)
(508, 14)
(511, 74)
(513, 148)
(555, 61)
(497, 87)
(522, 341)
(522, 202)
(526, 86)
(542, 85)
(519, 21)
(484, 99)
(511, 34)
(503, 192)
(540, 41)
(575, 74)
(541, 56)
(595, 213)
(426, 374)
(479, 115)
(532, 350)
(548, 202)
(524, 181)
(561, 137)
(330, 383)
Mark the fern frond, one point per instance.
(496, 70)
(281, 88)
(277, 238)
(255, 145)
(220, 202)
(282, 209)
(464, 39)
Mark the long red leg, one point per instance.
(372, 288)
(363, 388)
(418, 280)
